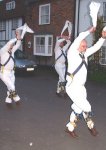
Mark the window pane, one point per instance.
(42, 50)
(15, 23)
(37, 41)
(42, 10)
(42, 41)
(40, 44)
(44, 19)
(45, 12)
(104, 11)
(2, 35)
(2, 25)
(50, 41)
(49, 49)
(43, 45)
(10, 5)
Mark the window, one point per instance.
(2, 25)
(104, 11)
(2, 30)
(14, 26)
(10, 5)
(43, 45)
(103, 56)
(44, 14)
(2, 33)
(7, 29)
(14, 23)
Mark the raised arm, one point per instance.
(66, 47)
(16, 46)
(7, 45)
(18, 43)
(96, 46)
(58, 44)
(82, 36)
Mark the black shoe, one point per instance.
(93, 131)
(73, 134)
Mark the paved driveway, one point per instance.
(39, 123)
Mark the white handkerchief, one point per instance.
(25, 28)
(104, 29)
(68, 25)
(94, 8)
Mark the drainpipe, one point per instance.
(77, 13)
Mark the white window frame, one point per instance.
(40, 15)
(102, 60)
(7, 31)
(10, 5)
(46, 46)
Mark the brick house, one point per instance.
(45, 17)
(12, 15)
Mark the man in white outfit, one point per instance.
(7, 63)
(60, 63)
(77, 56)
(7, 67)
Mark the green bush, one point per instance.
(98, 76)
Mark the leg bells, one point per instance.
(12, 95)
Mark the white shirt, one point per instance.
(74, 60)
(4, 55)
(58, 52)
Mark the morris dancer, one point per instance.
(61, 49)
(7, 64)
(76, 77)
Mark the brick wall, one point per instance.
(59, 14)
(17, 12)
(61, 10)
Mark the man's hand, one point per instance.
(104, 34)
(92, 29)
(66, 37)
(18, 36)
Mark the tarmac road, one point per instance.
(39, 123)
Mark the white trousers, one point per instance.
(60, 69)
(9, 79)
(78, 95)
